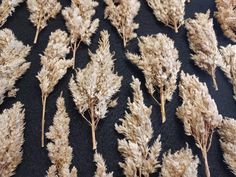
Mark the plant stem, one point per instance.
(93, 129)
(163, 112)
(213, 75)
(44, 101)
(175, 26)
(204, 155)
(36, 35)
(75, 47)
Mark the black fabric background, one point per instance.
(35, 160)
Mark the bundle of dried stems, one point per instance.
(139, 158)
(203, 43)
(11, 138)
(40, 12)
(12, 63)
(170, 12)
(54, 67)
(198, 113)
(121, 14)
(79, 22)
(180, 164)
(226, 16)
(227, 133)
(160, 65)
(94, 87)
(228, 64)
(101, 170)
(7, 7)
(60, 152)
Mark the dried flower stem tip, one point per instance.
(54, 67)
(203, 43)
(227, 133)
(160, 65)
(228, 64)
(13, 63)
(226, 16)
(60, 153)
(101, 170)
(79, 22)
(94, 86)
(7, 7)
(40, 12)
(198, 113)
(170, 12)
(139, 158)
(121, 14)
(180, 164)
(11, 138)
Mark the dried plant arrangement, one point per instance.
(228, 64)
(180, 164)
(140, 159)
(226, 16)
(7, 7)
(121, 14)
(40, 12)
(54, 67)
(198, 113)
(203, 42)
(101, 170)
(227, 133)
(79, 22)
(93, 88)
(11, 138)
(170, 12)
(13, 63)
(160, 65)
(60, 152)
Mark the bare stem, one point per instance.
(204, 155)
(36, 34)
(44, 101)
(93, 129)
(163, 112)
(213, 75)
(175, 26)
(75, 47)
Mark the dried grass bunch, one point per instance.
(227, 133)
(139, 158)
(226, 16)
(228, 64)
(203, 43)
(11, 138)
(198, 113)
(7, 7)
(40, 12)
(180, 164)
(93, 88)
(54, 67)
(160, 65)
(101, 166)
(60, 152)
(170, 12)
(79, 22)
(121, 14)
(12, 63)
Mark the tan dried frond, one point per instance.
(227, 133)
(79, 22)
(170, 12)
(198, 113)
(139, 158)
(101, 166)
(54, 67)
(60, 152)
(7, 7)
(160, 65)
(121, 14)
(13, 62)
(40, 12)
(182, 163)
(94, 87)
(226, 16)
(228, 64)
(11, 138)
(203, 42)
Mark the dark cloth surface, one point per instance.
(35, 159)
